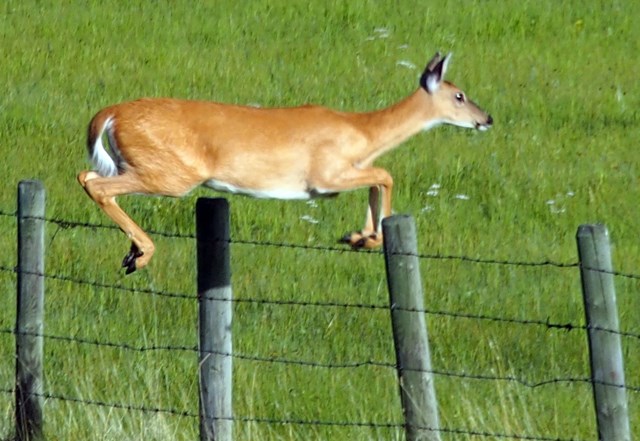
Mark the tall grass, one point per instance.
(561, 83)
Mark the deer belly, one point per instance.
(264, 193)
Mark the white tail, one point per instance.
(169, 146)
(104, 164)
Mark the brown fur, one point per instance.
(170, 146)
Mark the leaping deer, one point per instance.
(170, 146)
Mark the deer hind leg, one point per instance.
(380, 186)
(103, 191)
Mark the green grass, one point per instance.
(561, 83)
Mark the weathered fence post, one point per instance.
(214, 283)
(417, 390)
(30, 311)
(607, 371)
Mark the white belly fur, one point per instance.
(263, 194)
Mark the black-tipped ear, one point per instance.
(434, 72)
(433, 62)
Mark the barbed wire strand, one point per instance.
(67, 224)
(314, 364)
(544, 323)
(293, 421)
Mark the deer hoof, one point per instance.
(360, 243)
(360, 240)
(345, 239)
(129, 261)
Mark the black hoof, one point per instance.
(131, 267)
(360, 243)
(129, 261)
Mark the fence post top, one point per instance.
(592, 229)
(396, 218)
(36, 182)
(219, 203)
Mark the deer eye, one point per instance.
(460, 98)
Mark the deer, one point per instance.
(169, 146)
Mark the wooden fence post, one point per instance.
(607, 371)
(30, 311)
(417, 390)
(214, 282)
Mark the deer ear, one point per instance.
(434, 72)
(432, 63)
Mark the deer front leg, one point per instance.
(371, 235)
(103, 191)
(368, 237)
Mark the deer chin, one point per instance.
(485, 125)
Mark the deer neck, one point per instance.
(389, 127)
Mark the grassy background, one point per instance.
(561, 83)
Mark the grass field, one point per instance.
(559, 78)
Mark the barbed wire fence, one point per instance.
(63, 224)
(66, 224)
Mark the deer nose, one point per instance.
(489, 120)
